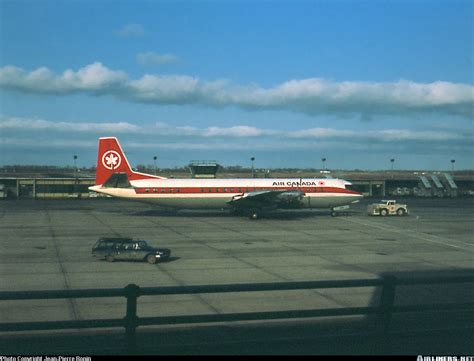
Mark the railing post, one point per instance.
(384, 315)
(132, 292)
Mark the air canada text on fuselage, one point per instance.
(298, 184)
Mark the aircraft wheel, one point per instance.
(254, 214)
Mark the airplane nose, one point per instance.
(357, 197)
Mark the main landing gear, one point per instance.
(254, 214)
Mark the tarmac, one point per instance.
(46, 245)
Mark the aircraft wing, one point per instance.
(267, 199)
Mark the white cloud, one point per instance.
(34, 135)
(67, 127)
(132, 30)
(91, 78)
(61, 144)
(385, 135)
(150, 58)
(405, 135)
(237, 131)
(322, 133)
(312, 96)
(167, 89)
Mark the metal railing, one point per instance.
(383, 311)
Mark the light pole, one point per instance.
(154, 161)
(253, 170)
(452, 164)
(75, 167)
(392, 161)
(324, 163)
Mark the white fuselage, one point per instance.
(217, 193)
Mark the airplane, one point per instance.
(250, 196)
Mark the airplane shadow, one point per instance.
(277, 215)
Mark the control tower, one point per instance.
(204, 168)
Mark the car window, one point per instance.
(103, 245)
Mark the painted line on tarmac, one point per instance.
(413, 234)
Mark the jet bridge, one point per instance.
(425, 182)
(436, 181)
(450, 181)
(426, 186)
(452, 187)
(439, 191)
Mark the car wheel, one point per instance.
(110, 258)
(333, 214)
(400, 212)
(151, 259)
(383, 212)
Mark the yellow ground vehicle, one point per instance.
(387, 207)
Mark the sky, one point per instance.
(287, 82)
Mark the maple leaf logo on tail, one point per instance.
(111, 160)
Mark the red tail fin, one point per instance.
(111, 159)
